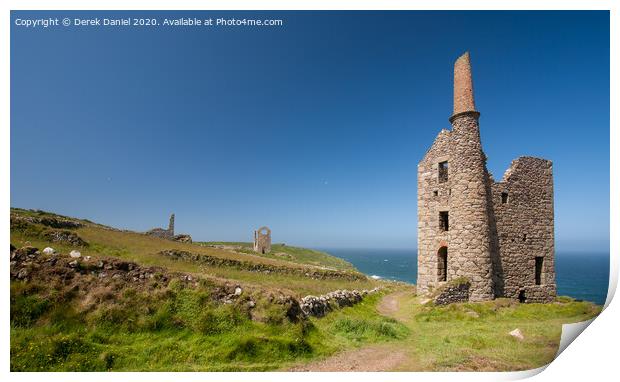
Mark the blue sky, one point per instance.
(314, 128)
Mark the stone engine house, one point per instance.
(262, 240)
(498, 235)
(164, 233)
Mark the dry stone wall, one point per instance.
(313, 273)
(453, 292)
(319, 306)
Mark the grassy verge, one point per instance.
(474, 336)
(174, 329)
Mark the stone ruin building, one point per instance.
(497, 235)
(168, 234)
(262, 240)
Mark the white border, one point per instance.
(592, 355)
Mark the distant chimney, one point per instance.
(463, 86)
(171, 225)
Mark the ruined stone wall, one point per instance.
(262, 240)
(167, 234)
(161, 233)
(525, 221)
(433, 196)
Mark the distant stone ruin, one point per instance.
(262, 240)
(168, 234)
(164, 233)
(497, 235)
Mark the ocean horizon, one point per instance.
(580, 275)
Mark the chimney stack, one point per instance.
(463, 86)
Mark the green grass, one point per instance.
(474, 336)
(173, 329)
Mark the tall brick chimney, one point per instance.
(463, 86)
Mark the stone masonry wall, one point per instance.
(524, 218)
(433, 196)
(262, 240)
(464, 197)
(453, 292)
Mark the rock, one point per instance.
(517, 334)
(49, 251)
(238, 291)
(182, 238)
(86, 258)
(75, 254)
(473, 314)
(251, 304)
(22, 274)
(26, 251)
(73, 264)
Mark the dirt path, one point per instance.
(371, 358)
(383, 357)
(389, 305)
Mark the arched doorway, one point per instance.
(442, 264)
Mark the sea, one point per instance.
(582, 276)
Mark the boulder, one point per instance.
(49, 251)
(517, 334)
(22, 274)
(75, 254)
(182, 238)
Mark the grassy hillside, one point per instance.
(146, 250)
(287, 253)
(132, 302)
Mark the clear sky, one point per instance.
(314, 128)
